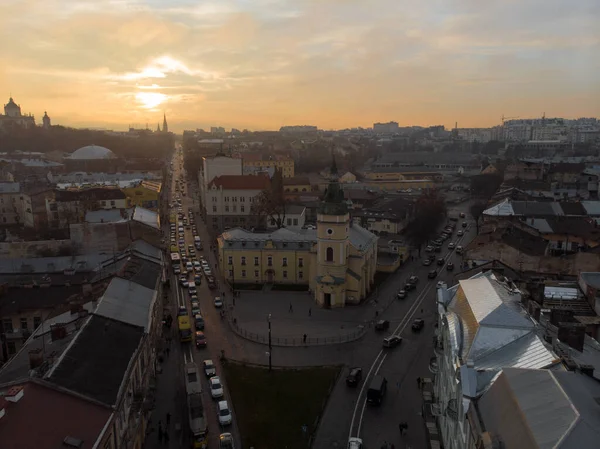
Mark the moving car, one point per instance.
(408, 286)
(376, 390)
(401, 294)
(200, 339)
(464, 224)
(451, 245)
(197, 279)
(392, 341)
(192, 289)
(450, 266)
(460, 233)
(413, 279)
(432, 274)
(354, 377)
(216, 387)
(459, 250)
(226, 441)
(182, 311)
(209, 368)
(441, 261)
(427, 262)
(418, 324)
(355, 443)
(382, 325)
(218, 302)
(224, 413)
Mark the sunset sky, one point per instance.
(262, 64)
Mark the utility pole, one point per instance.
(270, 345)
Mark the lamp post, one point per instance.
(270, 346)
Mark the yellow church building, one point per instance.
(336, 262)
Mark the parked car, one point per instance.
(418, 324)
(432, 274)
(226, 441)
(354, 377)
(408, 286)
(355, 443)
(441, 261)
(218, 302)
(182, 311)
(427, 262)
(413, 279)
(392, 341)
(462, 215)
(401, 294)
(216, 387)
(382, 325)
(224, 413)
(460, 233)
(450, 266)
(429, 248)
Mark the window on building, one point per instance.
(112, 203)
(214, 199)
(329, 254)
(270, 261)
(226, 199)
(229, 260)
(242, 199)
(37, 320)
(242, 219)
(242, 208)
(214, 208)
(284, 274)
(256, 261)
(295, 222)
(250, 199)
(243, 273)
(226, 208)
(23, 323)
(300, 262)
(11, 347)
(7, 325)
(289, 221)
(285, 261)
(230, 273)
(300, 275)
(234, 199)
(256, 273)
(243, 260)
(104, 203)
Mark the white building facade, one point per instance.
(15, 206)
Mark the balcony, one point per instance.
(18, 334)
(438, 347)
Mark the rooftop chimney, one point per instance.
(36, 357)
(14, 394)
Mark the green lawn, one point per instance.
(271, 407)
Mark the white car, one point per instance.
(216, 388)
(207, 272)
(451, 245)
(218, 302)
(355, 443)
(209, 368)
(224, 413)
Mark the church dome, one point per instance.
(92, 152)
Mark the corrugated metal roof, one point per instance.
(591, 207)
(551, 292)
(527, 351)
(127, 302)
(147, 217)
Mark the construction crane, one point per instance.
(507, 118)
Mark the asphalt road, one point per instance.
(216, 332)
(347, 414)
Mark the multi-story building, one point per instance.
(256, 162)
(70, 206)
(481, 330)
(146, 194)
(386, 128)
(336, 262)
(216, 166)
(481, 135)
(14, 118)
(102, 351)
(229, 199)
(15, 205)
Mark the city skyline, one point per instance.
(267, 63)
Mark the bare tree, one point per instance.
(270, 203)
(476, 210)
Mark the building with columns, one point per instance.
(14, 118)
(336, 262)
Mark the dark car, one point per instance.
(382, 325)
(413, 280)
(462, 215)
(408, 286)
(418, 324)
(392, 341)
(182, 311)
(427, 262)
(450, 266)
(464, 224)
(432, 274)
(354, 377)
(441, 261)
(437, 249)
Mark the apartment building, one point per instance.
(229, 199)
(66, 207)
(481, 330)
(15, 205)
(253, 162)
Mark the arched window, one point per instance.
(329, 254)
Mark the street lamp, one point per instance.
(270, 346)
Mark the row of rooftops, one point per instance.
(525, 396)
(508, 207)
(71, 371)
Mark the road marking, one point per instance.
(399, 329)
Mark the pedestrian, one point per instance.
(166, 438)
(309, 311)
(419, 382)
(304, 339)
(291, 310)
(168, 418)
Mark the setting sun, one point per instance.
(150, 100)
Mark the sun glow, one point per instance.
(150, 100)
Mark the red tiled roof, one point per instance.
(241, 182)
(44, 417)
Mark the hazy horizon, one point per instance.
(263, 64)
